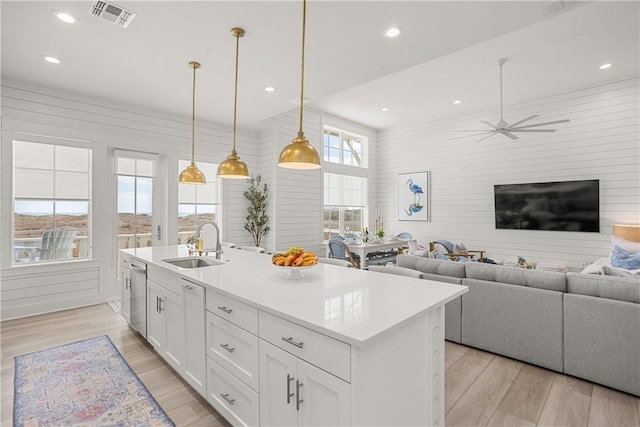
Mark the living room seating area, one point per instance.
(583, 325)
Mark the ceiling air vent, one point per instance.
(112, 13)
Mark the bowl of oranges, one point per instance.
(294, 261)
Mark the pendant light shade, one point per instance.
(191, 174)
(300, 154)
(233, 167)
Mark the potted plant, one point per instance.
(257, 219)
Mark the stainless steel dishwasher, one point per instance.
(138, 296)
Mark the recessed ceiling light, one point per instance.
(392, 32)
(605, 66)
(457, 101)
(269, 89)
(51, 59)
(65, 17)
(385, 109)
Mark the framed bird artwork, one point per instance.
(413, 196)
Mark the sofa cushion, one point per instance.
(611, 287)
(441, 278)
(549, 280)
(601, 341)
(430, 265)
(400, 271)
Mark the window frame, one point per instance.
(361, 171)
(54, 201)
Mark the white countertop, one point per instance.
(348, 304)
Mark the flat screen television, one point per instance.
(565, 206)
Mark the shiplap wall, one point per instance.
(600, 142)
(28, 110)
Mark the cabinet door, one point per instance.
(173, 351)
(125, 302)
(278, 374)
(194, 330)
(155, 319)
(326, 399)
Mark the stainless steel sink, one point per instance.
(193, 262)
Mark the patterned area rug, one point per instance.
(86, 383)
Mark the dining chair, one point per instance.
(337, 249)
(404, 236)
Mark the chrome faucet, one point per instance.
(218, 250)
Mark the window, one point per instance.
(345, 183)
(51, 191)
(134, 196)
(345, 200)
(197, 204)
(343, 148)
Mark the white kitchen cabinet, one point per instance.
(296, 393)
(166, 331)
(194, 332)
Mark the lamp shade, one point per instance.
(192, 175)
(233, 168)
(627, 232)
(299, 155)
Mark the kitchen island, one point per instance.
(339, 346)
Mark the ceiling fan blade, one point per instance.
(475, 134)
(488, 136)
(509, 134)
(471, 130)
(523, 120)
(540, 124)
(532, 130)
(488, 124)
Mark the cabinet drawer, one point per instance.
(233, 348)
(236, 312)
(167, 279)
(235, 401)
(325, 352)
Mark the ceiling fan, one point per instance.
(506, 129)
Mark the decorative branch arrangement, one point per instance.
(257, 219)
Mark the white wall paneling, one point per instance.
(600, 142)
(106, 125)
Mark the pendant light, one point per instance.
(300, 154)
(233, 167)
(193, 175)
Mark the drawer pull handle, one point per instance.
(228, 348)
(289, 394)
(292, 342)
(127, 283)
(227, 398)
(225, 309)
(188, 287)
(298, 400)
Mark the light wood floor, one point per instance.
(482, 389)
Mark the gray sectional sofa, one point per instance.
(584, 325)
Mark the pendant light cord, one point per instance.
(235, 95)
(193, 116)
(304, 25)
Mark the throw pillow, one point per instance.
(459, 249)
(627, 260)
(612, 271)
